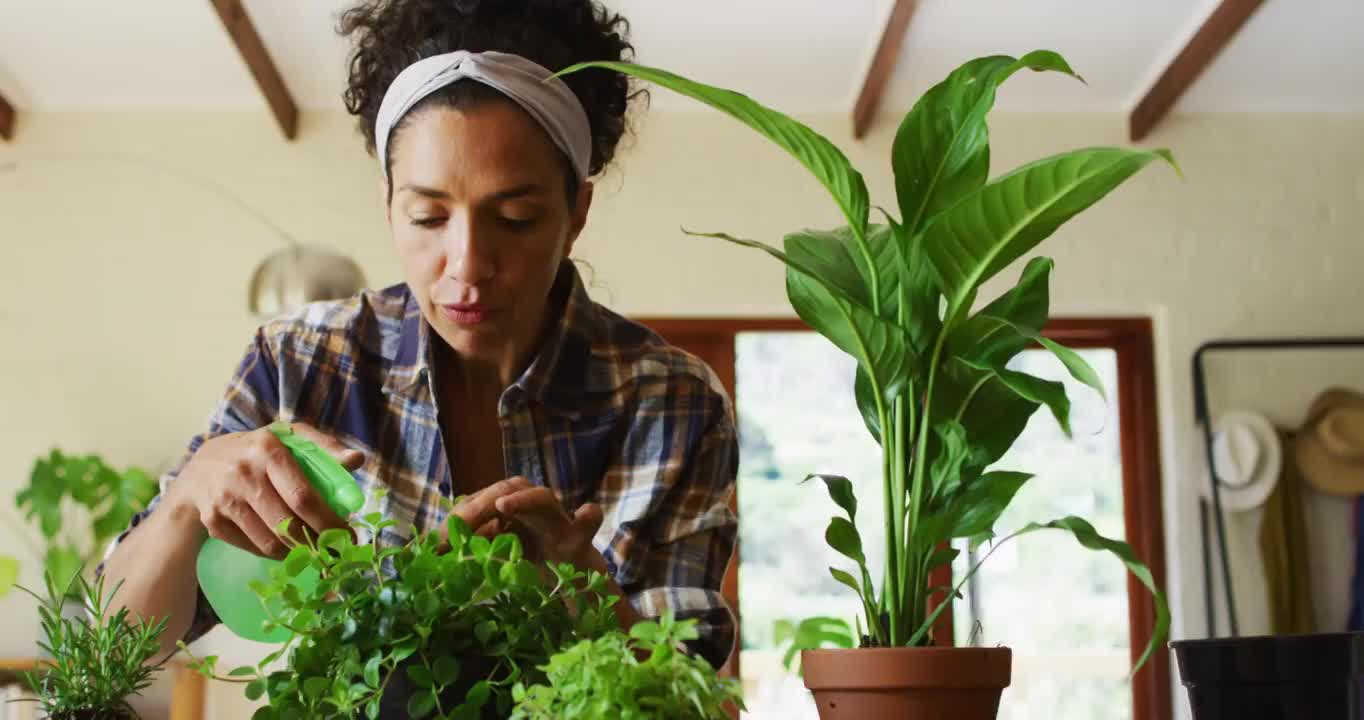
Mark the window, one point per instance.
(793, 394)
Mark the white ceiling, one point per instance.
(799, 55)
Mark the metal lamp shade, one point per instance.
(295, 276)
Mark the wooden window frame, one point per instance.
(1132, 339)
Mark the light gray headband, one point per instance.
(546, 98)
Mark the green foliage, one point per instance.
(933, 382)
(813, 632)
(639, 676)
(420, 609)
(99, 659)
(108, 497)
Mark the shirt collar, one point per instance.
(556, 375)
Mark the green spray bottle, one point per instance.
(226, 571)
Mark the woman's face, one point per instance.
(481, 222)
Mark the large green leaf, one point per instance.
(1008, 325)
(1087, 536)
(992, 413)
(949, 462)
(1034, 389)
(815, 152)
(831, 256)
(1013, 322)
(866, 402)
(835, 257)
(919, 292)
(942, 149)
(879, 345)
(973, 240)
(1079, 369)
(886, 268)
(981, 503)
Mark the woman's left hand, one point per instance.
(547, 531)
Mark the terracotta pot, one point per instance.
(917, 683)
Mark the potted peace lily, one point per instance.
(932, 383)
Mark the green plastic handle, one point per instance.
(226, 571)
(330, 478)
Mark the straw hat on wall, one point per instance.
(1330, 447)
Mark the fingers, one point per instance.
(222, 528)
(271, 508)
(589, 518)
(481, 507)
(537, 508)
(349, 457)
(234, 520)
(293, 488)
(491, 529)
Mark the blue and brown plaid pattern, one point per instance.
(607, 412)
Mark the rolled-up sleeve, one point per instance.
(678, 560)
(251, 401)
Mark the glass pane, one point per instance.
(794, 397)
(1061, 607)
(797, 415)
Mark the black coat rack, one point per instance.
(1200, 390)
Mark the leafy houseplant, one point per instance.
(99, 659)
(445, 634)
(638, 676)
(108, 497)
(933, 382)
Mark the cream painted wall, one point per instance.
(122, 277)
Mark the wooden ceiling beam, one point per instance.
(882, 66)
(257, 58)
(6, 119)
(1214, 35)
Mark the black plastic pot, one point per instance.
(1285, 677)
(393, 706)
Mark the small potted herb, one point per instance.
(933, 382)
(98, 659)
(643, 675)
(418, 630)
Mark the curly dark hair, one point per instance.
(389, 35)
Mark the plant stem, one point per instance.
(896, 511)
(889, 595)
(916, 497)
(971, 571)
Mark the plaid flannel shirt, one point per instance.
(606, 412)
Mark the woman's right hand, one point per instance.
(240, 487)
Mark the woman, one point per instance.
(489, 374)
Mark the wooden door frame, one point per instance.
(1132, 339)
